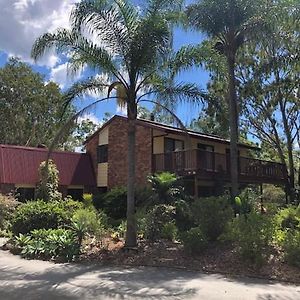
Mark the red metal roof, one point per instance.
(19, 165)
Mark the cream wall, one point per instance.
(102, 175)
(102, 172)
(189, 143)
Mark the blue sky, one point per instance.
(22, 21)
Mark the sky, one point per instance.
(23, 21)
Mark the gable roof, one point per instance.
(172, 129)
(19, 165)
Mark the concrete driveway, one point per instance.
(30, 280)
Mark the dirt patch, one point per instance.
(218, 258)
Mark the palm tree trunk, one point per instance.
(233, 121)
(131, 240)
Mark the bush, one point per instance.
(211, 215)
(291, 247)
(87, 221)
(194, 241)
(113, 203)
(273, 194)
(48, 243)
(288, 218)
(39, 214)
(183, 215)
(8, 205)
(169, 231)
(253, 234)
(156, 219)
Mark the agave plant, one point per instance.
(128, 46)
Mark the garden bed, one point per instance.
(218, 258)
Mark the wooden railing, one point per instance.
(211, 164)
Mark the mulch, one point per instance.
(218, 258)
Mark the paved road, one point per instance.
(34, 280)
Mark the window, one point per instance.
(102, 154)
(23, 194)
(76, 194)
(173, 145)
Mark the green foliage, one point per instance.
(253, 234)
(38, 105)
(47, 188)
(273, 194)
(211, 215)
(8, 205)
(183, 215)
(88, 200)
(288, 218)
(87, 221)
(169, 231)
(194, 241)
(165, 187)
(113, 203)
(291, 247)
(39, 214)
(48, 243)
(156, 219)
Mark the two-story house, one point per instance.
(202, 160)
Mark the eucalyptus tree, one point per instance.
(269, 82)
(128, 45)
(229, 23)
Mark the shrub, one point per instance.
(169, 231)
(47, 188)
(113, 203)
(273, 194)
(87, 221)
(8, 205)
(253, 234)
(194, 241)
(39, 214)
(291, 247)
(212, 214)
(156, 219)
(165, 187)
(183, 215)
(48, 243)
(87, 200)
(288, 218)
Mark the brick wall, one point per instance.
(91, 149)
(117, 153)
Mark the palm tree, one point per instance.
(128, 46)
(229, 22)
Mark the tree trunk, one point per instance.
(233, 121)
(131, 240)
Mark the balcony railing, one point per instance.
(210, 165)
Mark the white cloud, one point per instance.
(22, 21)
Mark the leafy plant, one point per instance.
(165, 187)
(288, 218)
(156, 219)
(47, 188)
(39, 214)
(169, 231)
(291, 247)
(8, 204)
(49, 243)
(88, 200)
(253, 236)
(211, 215)
(194, 240)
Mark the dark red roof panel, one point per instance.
(19, 165)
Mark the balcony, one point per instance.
(213, 166)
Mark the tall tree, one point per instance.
(269, 82)
(130, 45)
(229, 22)
(30, 109)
